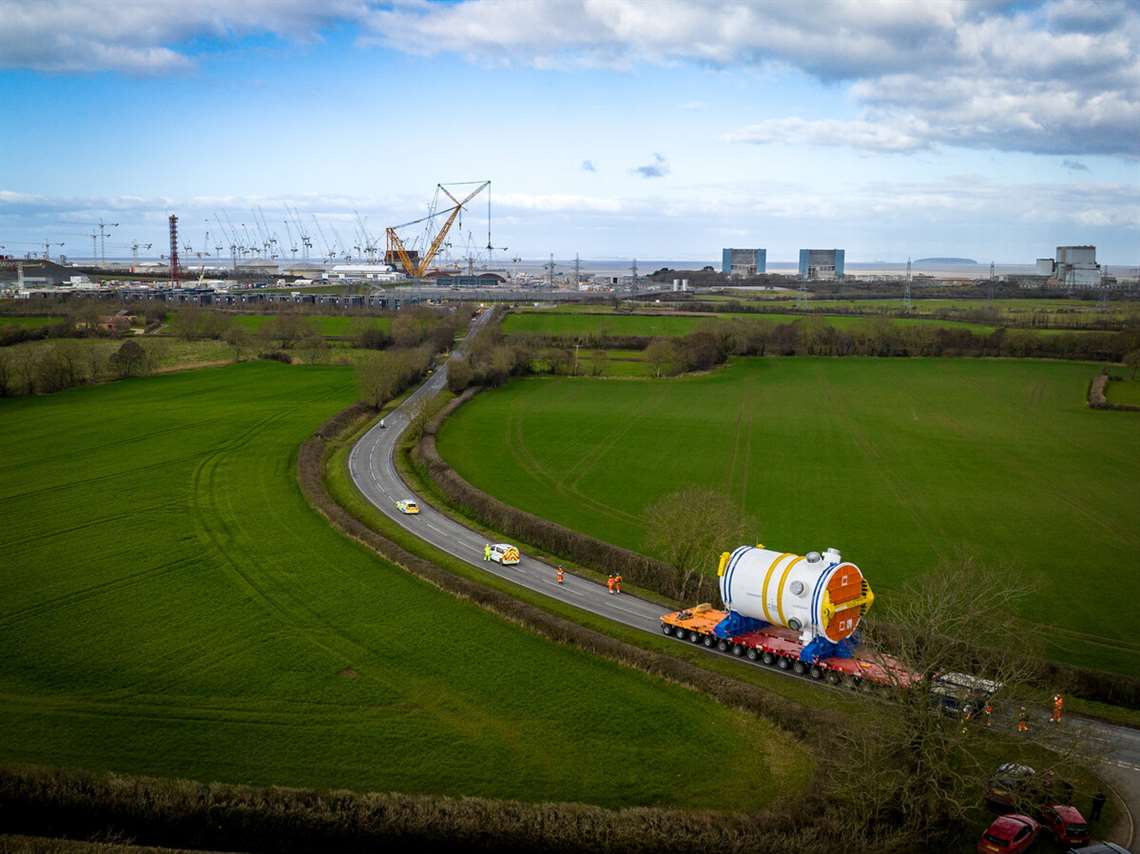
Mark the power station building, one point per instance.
(821, 265)
(1077, 267)
(744, 262)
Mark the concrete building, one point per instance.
(821, 265)
(1077, 267)
(362, 273)
(744, 262)
(1044, 267)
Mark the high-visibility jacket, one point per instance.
(610, 583)
(560, 575)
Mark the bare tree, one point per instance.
(240, 341)
(954, 643)
(661, 358)
(1132, 362)
(689, 528)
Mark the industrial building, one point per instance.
(821, 265)
(1076, 267)
(744, 262)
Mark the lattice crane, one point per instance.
(398, 251)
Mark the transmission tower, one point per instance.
(633, 269)
(577, 271)
(175, 273)
(907, 304)
(990, 286)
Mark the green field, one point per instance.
(336, 325)
(30, 321)
(896, 462)
(568, 325)
(1124, 391)
(173, 607)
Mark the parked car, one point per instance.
(1100, 848)
(1009, 834)
(1066, 824)
(1010, 784)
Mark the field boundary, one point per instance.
(216, 816)
(1098, 399)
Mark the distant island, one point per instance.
(945, 261)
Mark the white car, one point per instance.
(408, 506)
(505, 554)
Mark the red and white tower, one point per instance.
(175, 273)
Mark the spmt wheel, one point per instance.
(768, 658)
(799, 668)
(783, 663)
(722, 646)
(666, 629)
(709, 641)
(753, 654)
(737, 650)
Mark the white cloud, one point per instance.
(142, 36)
(857, 134)
(657, 168)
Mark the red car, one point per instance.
(1009, 834)
(1066, 824)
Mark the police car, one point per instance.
(408, 506)
(505, 554)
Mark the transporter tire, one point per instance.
(768, 658)
(799, 668)
(680, 634)
(666, 629)
(695, 637)
(852, 682)
(752, 654)
(722, 646)
(783, 663)
(832, 678)
(709, 641)
(737, 650)
(815, 673)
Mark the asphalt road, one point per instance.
(373, 470)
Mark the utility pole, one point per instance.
(633, 269)
(907, 304)
(550, 272)
(577, 271)
(990, 289)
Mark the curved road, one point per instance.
(373, 470)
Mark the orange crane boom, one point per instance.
(396, 247)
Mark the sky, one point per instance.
(659, 129)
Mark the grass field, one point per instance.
(1124, 391)
(29, 321)
(173, 607)
(898, 463)
(593, 323)
(327, 324)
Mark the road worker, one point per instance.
(1058, 707)
(487, 552)
(617, 583)
(967, 716)
(1023, 720)
(559, 575)
(610, 582)
(988, 710)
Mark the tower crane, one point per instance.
(396, 246)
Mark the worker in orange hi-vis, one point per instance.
(1022, 720)
(1058, 707)
(610, 582)
(988, 710)
(617, 583)
(559, 575)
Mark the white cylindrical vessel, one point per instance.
(814, 594)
